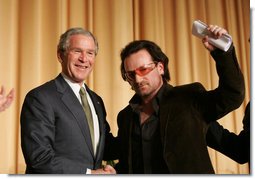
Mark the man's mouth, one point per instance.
(82, 66)
(140, 86)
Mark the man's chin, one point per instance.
(142, 93)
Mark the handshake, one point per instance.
(107, 169)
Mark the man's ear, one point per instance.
(160, 68)
(60, 57)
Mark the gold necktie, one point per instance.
(88, 114)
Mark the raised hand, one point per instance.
(216, 32)
(5, 100)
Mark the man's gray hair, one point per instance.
(64, 38)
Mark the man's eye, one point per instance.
(77, 51)
(142, 69)
(90, 53)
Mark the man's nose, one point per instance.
(138, 78)
(83, 56)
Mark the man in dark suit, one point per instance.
(163, 128)
(56, 134)
(236, 147)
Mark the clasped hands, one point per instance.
(107, 169)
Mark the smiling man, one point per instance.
(63, 122)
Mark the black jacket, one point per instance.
(184, 114)
(236, 147)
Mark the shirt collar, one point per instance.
(135, 101)
(75, 86)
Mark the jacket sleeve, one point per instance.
(37, 135)
(38, 142)
(236, 147)
(229, 94)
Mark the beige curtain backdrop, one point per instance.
(30, 30)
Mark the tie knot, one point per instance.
(82, 91)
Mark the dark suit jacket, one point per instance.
(184, 114)
(236, 147)
(54, 132)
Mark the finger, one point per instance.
(3, 100)
(11, 94)
(211, 28)
(222, 31)
(205, 39)
(2, 92)
(216, 30)
(9, 99)
(8, 102)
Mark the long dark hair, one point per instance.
(153, 49)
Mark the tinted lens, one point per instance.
(142, 71)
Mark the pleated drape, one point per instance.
(30, 30)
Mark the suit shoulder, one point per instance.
(192, 87)
(127, 109)
(124, 113)
(47, 86)
(95, 94)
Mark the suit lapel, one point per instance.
(165, 111)
(74, 106)
(130, 126)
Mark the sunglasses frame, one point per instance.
(141, 71)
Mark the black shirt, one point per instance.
(147, 152)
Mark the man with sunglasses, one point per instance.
(163, 128)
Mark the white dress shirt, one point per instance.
(76, 88)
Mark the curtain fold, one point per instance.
(30, 32)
